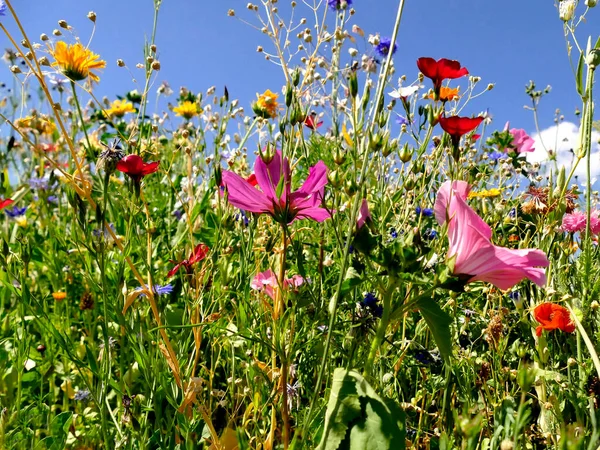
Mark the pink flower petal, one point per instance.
(244, 196)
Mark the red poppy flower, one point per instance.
(4, 203)
(136, 168)
(197, 255)
(251, 179)
(456, 126)
(440, 70)
(552, 317)
(312, 122)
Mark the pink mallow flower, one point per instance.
(522, 142)
(286, 207)
(363, 214)
(577, 221)
(475, 257)
(267, 282)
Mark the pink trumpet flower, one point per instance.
(475, 257)
(286, 206)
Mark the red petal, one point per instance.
(150, 167)
(174, 270)
(132, 165)
(449, 68)
(459, 126)
(199, 253)
(429, 67)
(5, 203)
(252, 180)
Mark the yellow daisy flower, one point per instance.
(266, 105)
(76, 62)
(494, 192)
(40, 123)
(187, 110)
(119, 108)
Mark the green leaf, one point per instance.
(579, 75)
(439, 323)
(351, 280)
(59, 429)
(358, 419)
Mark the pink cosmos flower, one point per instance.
(286, 206)
(267, 282)
(522, 142)
(475, 257)
(577, 221)
(363, 214)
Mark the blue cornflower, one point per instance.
(512, 213)
(515, 295)
(370, 302)
(3, 8)
(39, 183)
(430, 234)
(158, 289)
(393, 233)
(495, 156)
(52, 199)
(16, 211)
(383, 48)
(339, 4)
(401, 120)
(427, 212)
(242, 217)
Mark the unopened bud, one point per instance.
(15, 69)
(44, 61)
(120, 63)
(92, 16)
(591, 3)
(44, 37)
(63, 24)
(153, 48)
(57, 33)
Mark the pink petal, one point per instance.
(316, 214)
(363, 214)
(317, 178)
(268, 175)
(244, 196)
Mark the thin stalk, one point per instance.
(87, 138)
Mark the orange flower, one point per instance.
(58, 296)
(552, 317)
(447, 94)
(76, 62)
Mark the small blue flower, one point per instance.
(178, 213)
(430, 234)
(39, 183)
(339, 4)
(495, 156)
(242, 217)
(401, 120)
(427, 212)
(3, 8)
(351, 249)
(515, 295)
(512, 213)
(370, 302)
(383, 48)
(393, 233)
(52, 199)
(82, 395)
(158, 289)
(97, 232)
(16, 211)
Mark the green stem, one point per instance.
(87, 138)
(383, 325)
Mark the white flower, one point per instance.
(403, 92)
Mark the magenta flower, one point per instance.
(363, 214)
(522, 142)
(475, 257)
(287, 206)
(267, 282)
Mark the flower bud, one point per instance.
(155, 65)
(593, 58)
(63, 24)
(566, 10)
(92, 16)
(268, 154)
(409, 183)
(351, 187)
(339, 156)
(334, 178)
(406, 154)
(591, 3)
(353, 84)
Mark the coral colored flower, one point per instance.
(457, 126)
(136, 168)
(384, 46)
(552, 317)
(187, 110)
(440, 70)
(286, 206)
(266, 105)
(267, 282)
(119, 108)
(58, 296)
(76, 62)
(475, 257)
(522, 142)
(197, 255)
(363, 214)
(446, 94)
(312, 122)
(4, 203)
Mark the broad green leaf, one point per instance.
(439, 323)
(358, 419)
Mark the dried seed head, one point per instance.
(63, 24)
(155, 65)
(120, 63)
(92, 16)
(44, 37)
(231, 13)
(15, 69)
(57, 33)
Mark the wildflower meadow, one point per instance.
(358, 257)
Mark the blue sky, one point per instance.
(507, 43)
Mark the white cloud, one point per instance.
(563, 140)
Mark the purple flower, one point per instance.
(52, 199)
(3, 8)
(178, 213)
(39, 183)
(369, 303)
(16, 211)
(495, 156)
(82, 395)
(393, 233)
(430, 234)
(339, 4)
(97, 233)
(383, 48)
